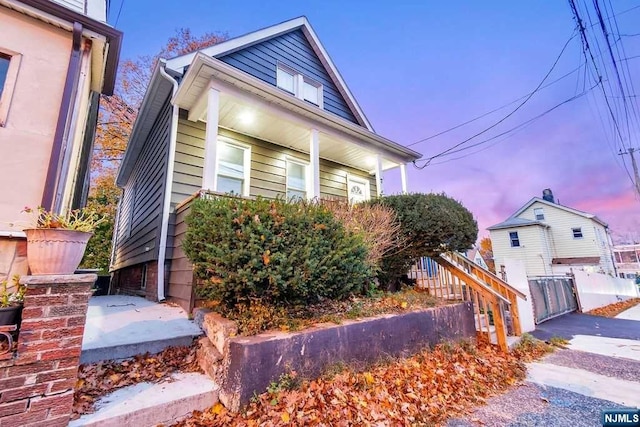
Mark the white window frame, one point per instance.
(299, 80)
(9, 83)
(360, 180)
(540, 212)
(577, 230)
(307, 175)
(517, 238)
(246, 185)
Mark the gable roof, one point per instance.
(513, 222)
(564, 208)
(241, 42)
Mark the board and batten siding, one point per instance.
(594, 241)
(140, 215)
(268, 166)
(533, 250)
(293, 50)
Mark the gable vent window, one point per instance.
(539, 213)
(299, 85)
(515, 240)
(577, 233)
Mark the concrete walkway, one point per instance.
(120, 326)
(631, 314)
(599, 370)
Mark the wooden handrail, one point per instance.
(478, 270)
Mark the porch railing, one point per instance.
(453, 277)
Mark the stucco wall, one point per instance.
(598, 290)
(25, 141)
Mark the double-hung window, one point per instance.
(515, 240)
(234, 163)
(299, 85)
(297, 173)
(577, 232)
(539, 213)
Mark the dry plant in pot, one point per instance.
(11, 299)
(56, 243)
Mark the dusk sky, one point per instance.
(419, 68)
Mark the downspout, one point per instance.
(61, 134)
(164, 229)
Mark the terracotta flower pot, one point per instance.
(55, 250)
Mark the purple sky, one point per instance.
(419, 67)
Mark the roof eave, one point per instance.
(145, 117)
(113, 36)
(407, 155)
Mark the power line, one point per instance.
(513, 111)
(515, 128)
(118, 16)
(495, 109)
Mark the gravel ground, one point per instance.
(624, 369)
(533, 405)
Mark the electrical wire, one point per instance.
(573, 35)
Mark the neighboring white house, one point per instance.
(627, 259)
(552, 239)
(475, 256)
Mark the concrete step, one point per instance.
(150, 404)
(120, 326)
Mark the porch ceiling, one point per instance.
(266, 124)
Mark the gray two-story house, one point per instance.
(264, 114)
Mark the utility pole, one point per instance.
(630, 151)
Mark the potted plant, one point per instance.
(11, 301)
(56, 243)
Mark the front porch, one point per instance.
(231, 102)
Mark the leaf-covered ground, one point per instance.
(612, 310)
(425, 389)
(260, 317)
(98, 379)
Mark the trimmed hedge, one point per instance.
(430, 224)
(272, 252)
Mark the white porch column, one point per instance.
(314, 164)
(403, 178)
(379, 188)
(209, 174)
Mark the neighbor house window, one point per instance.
(299, 85)
(358, 189)
(233, 169)
(9, 64)
(539, 213)
(577, 233)
(515, 240)
(296, 180)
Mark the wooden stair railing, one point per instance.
(453, 282)
(496, 283)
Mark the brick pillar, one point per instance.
(37, 381)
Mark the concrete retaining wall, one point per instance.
(598, 290)
(252, 363)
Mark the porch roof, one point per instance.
(278, 117)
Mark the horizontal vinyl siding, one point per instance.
(180, 290)
(293, 50)
(532, 251)
(564, 244)
(141, 208)
(268, 166)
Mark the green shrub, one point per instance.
(430, 224)
(272, 252)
